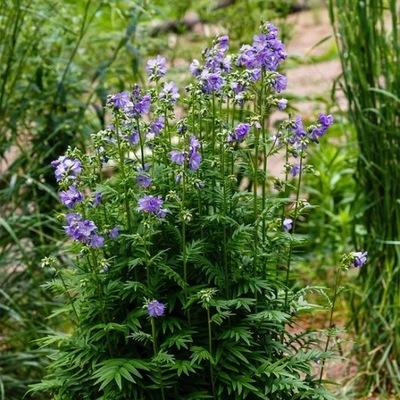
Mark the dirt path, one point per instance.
(312, 79)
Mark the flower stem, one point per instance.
(296, 212)
(154, 336)
(335, 296)
(210, 351)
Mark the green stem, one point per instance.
(68, 294)
(335, 296)
(255, 205)
(295, 216)
(183, 233)
(154, 336)
(210, 351)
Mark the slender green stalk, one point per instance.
(295, 216)
(210, 349)
(330, 326)
(71, 300)
(154, 336)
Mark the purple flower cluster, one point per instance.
(155, 309)
(152, 205)
(240, 132)
(71, 196)
(266, 52)
(299, 135)
(84, 231)
(324, 122)
(193, 156)
(133, 104)
(216, 63)
(156, 68)
(66, 168)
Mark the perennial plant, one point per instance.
(182, 243)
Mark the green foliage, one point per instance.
(368, 39)
(190, 298)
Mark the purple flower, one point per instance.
(282, 104)
(194, 156)
(80, 230)
(194, 144)
(223, 42)
(157, 125)
(195, 68)
(139, 104)
(66, 168)
(295, 170)
(240, 132)
(178, 157)
(359, 258)
(287, 224)
(114, 233)
(271, 30)
(143, 178)
(155, 309)
(143, 105)
(156, 68)
(211, 81)
(97, 199)
(134, 137)
(96, 241)
(298, 130)
(194, 160)
(280, 83)
(181, 126)
(169, 92)
(152, 204)
(71, 196)
(86, 228)
(247, 56)
(324, 122)
(120, 100)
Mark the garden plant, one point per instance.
(181, 244)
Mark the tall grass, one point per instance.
(367, 33)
